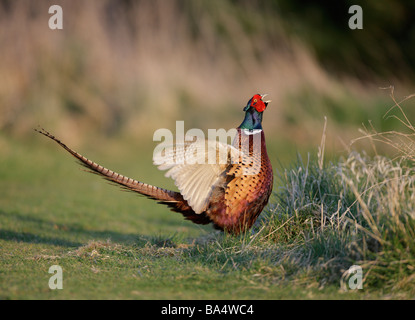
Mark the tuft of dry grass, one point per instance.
(359, 210)
(401, 142)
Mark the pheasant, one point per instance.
(229, 192)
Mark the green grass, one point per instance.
(115, 245)
(323, 217)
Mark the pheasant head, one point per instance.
(253, 112)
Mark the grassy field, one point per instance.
(119, 70)
(115, 245)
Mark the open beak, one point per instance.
(267, 101)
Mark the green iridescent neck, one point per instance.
(252, 121)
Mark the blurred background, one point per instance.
(121, 69)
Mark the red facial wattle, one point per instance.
(257, 103)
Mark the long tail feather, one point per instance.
(172, 199)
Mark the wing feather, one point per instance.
(190, 166)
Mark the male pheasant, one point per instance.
(230, 193)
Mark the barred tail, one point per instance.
(170, 198)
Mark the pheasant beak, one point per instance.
(267, 101)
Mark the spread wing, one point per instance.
(196, 168)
